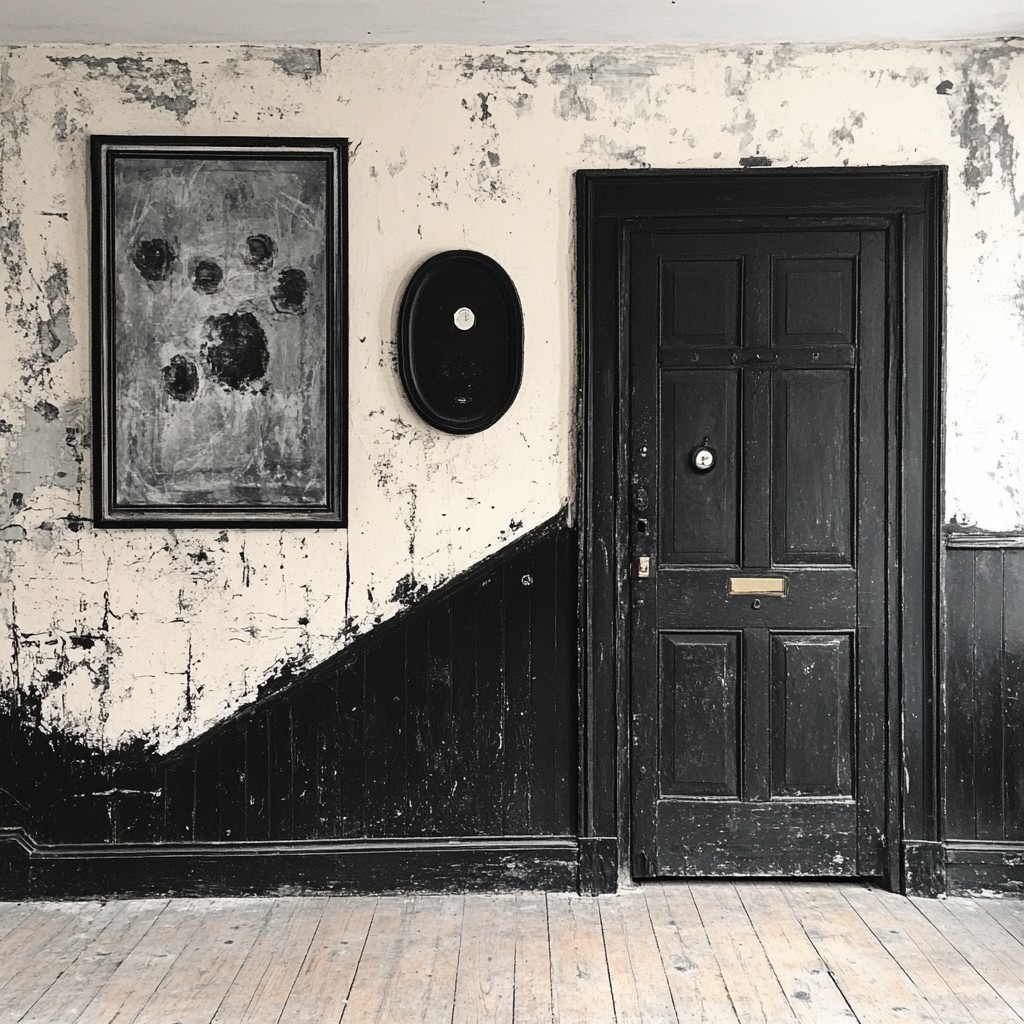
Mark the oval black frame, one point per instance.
(407, 334)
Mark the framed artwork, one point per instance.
(219, 331)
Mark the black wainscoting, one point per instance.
(439, 750)
(983, 713)
(456, 718)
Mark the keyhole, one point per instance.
(641, 526)
(756, 603)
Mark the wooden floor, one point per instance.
(709, 951)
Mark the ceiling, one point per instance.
(503, 21)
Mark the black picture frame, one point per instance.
(461, 375)
(219, 351)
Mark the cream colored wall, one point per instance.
(162, 633)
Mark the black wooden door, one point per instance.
(758, 637)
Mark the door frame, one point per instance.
(911, 200)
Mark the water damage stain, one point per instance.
(163, 84)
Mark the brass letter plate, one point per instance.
(760, 586)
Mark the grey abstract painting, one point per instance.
(219, 332)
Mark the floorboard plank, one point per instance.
(580, 989)
(971, 988)
(812, 994)
(410, 964)
(754, 989)
(532, 990)
(1009, 913)
(11, 915)
(984, 947)
(262, 985)
(139, 974)
(871, 981)
(905, 950)
(34, 934)
(485, 990)
(322, 986)
(639, 983)
(92, 969)
(39, 971)
(695, 979)
(194, 987)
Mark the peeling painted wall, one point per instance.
(159, 634)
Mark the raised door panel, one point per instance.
(699, 511)
(700, 714)
(814, 301)
(701, 304)
(813, 490)
(812, 715)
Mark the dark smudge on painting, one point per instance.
(221, 395)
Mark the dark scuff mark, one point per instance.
(283, 674)
(844, 133)
(47, 410)
(407, 591)
(494, 64)
(515, 525)
(755, 161)
(164, 84)
(75, 523)
(607, 148)
(54, 329)
(944, 88)
(5, 427)
(84, 641)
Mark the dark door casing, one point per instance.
(790, 320)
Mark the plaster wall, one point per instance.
(159, 634)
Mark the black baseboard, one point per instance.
(924, 868)
(500, 864)
(598, 865)
(979, 869)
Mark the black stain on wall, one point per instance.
(235, 347)
(289, 294)
(408, 591)
(47, 410)
(260, 251)
(207, 276)
(755, 161)
(153, 258)
(944, 88)
(181, 379)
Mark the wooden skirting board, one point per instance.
(487, 864)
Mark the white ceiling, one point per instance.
(503, 21)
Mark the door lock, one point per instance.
(643, 567)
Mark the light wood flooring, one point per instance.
(708, 951)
